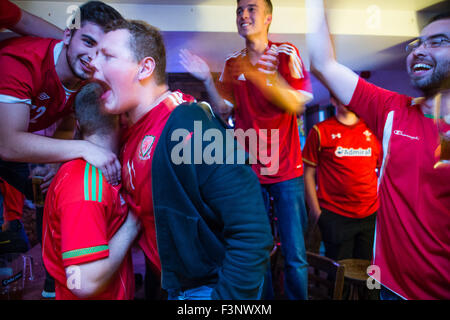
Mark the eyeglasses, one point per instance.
(435, 41)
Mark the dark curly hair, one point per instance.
(440, 16)
(97, 12)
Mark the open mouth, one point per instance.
(421, 68)
(86, 66)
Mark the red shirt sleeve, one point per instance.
(373, 104)
(16, 80)
(293, 70)
(311, 150)
(10, 14)
(83, 232)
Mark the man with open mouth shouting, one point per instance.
(204, 226)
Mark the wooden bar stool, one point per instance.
(355, 274)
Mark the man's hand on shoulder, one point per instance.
(104, 160)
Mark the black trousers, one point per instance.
(17, 175)
(346, 238)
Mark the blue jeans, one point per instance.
(199, 293)
(290, 210)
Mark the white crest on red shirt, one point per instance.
(367, 133)
(146, 147)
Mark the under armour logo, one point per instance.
(334, 136)
(43, 96)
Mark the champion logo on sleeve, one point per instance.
(401, 133)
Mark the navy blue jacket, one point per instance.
(211, 223)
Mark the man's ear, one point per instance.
(146, 68)
(268, 19)
(67, 36)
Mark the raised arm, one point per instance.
(18, 145)
(31, 25)
(339, 79)
(198, 68)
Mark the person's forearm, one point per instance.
(96, 275)
(29, 147)
(32, 25)
(280, 93)
(310, 191)
(218, 103)
(319, 44)
(339, 79)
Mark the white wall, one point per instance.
(394, 80)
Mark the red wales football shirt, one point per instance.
(82, 213)
(254, 111)
(136, 156)
(412, 238)
(13, 201)
(346, 160)
(9, 14)
(29, 76)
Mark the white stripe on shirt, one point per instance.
(387, 132)
(10, 99)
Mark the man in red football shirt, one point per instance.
(342, 153)
(131, 66)
(147, 107)
(87, 230)
(24, 23)
(266, 85)
(412, 242)
(37, 79)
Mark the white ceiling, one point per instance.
(332, 4)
